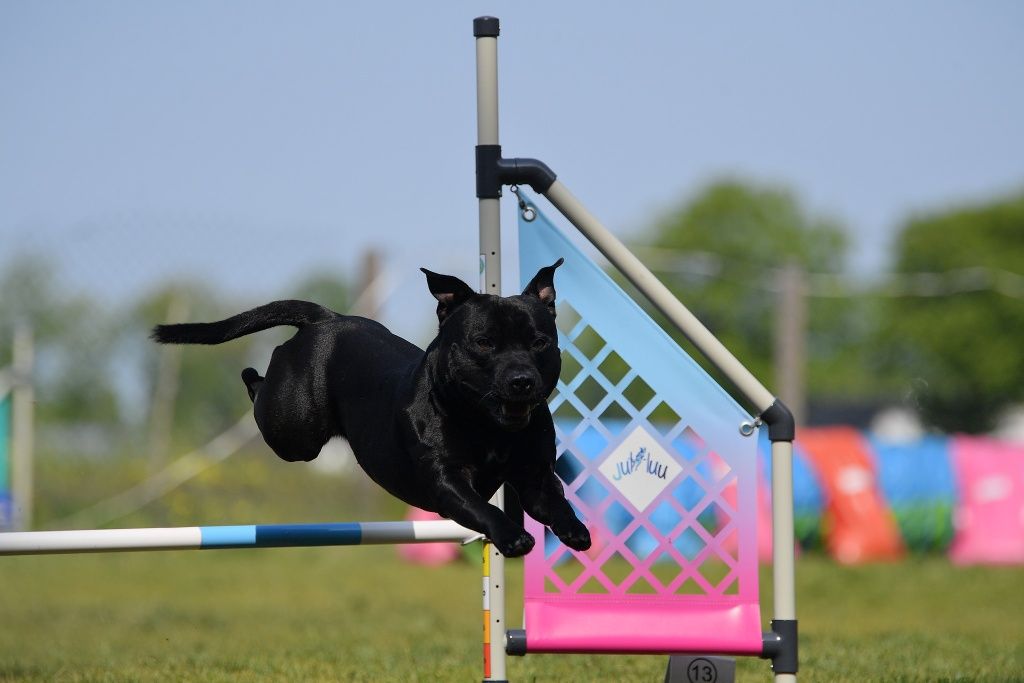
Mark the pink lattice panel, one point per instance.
(668, 573)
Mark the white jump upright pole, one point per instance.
(783, 553)
(486, 30)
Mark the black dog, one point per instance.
(440, 429)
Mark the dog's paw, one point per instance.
(514, 545)
(574, 534)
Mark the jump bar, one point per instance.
(224, 537)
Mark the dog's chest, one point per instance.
(493, 464)
(496, 457)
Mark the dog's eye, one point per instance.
(540, 343)
(484, 343)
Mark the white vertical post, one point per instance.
(485, 29)
(487, 134)
(22, 407)
(783, 543)
(168, 375)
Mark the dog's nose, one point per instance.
(521, 385)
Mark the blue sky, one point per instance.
(248, 143)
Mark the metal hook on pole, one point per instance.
(528, 211)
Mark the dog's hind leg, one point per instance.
(293, 428)
(252, 381)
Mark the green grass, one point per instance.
(359, 614)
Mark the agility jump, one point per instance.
(655, 458)
(232, 537)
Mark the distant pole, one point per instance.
(791, 340)
(161, 410)
(22, 409)
(367, 304)
(369, 301)
(6, 384)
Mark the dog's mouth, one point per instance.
(516, 410)
(515, 414)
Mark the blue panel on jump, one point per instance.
(625, 330)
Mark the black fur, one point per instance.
(441, 429)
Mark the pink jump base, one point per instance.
(576, 627)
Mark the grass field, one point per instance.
(359, 614)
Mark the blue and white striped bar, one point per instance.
(221, 537)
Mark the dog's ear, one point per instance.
(542, 285)
(449, 291)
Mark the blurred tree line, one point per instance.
(97, 374)
(942, 332)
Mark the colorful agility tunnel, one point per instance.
(989, 515)
(863, 498)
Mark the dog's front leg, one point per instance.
(543, 498)
(457, 500)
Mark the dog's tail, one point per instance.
(289, 312)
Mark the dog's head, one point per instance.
(499, 354)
